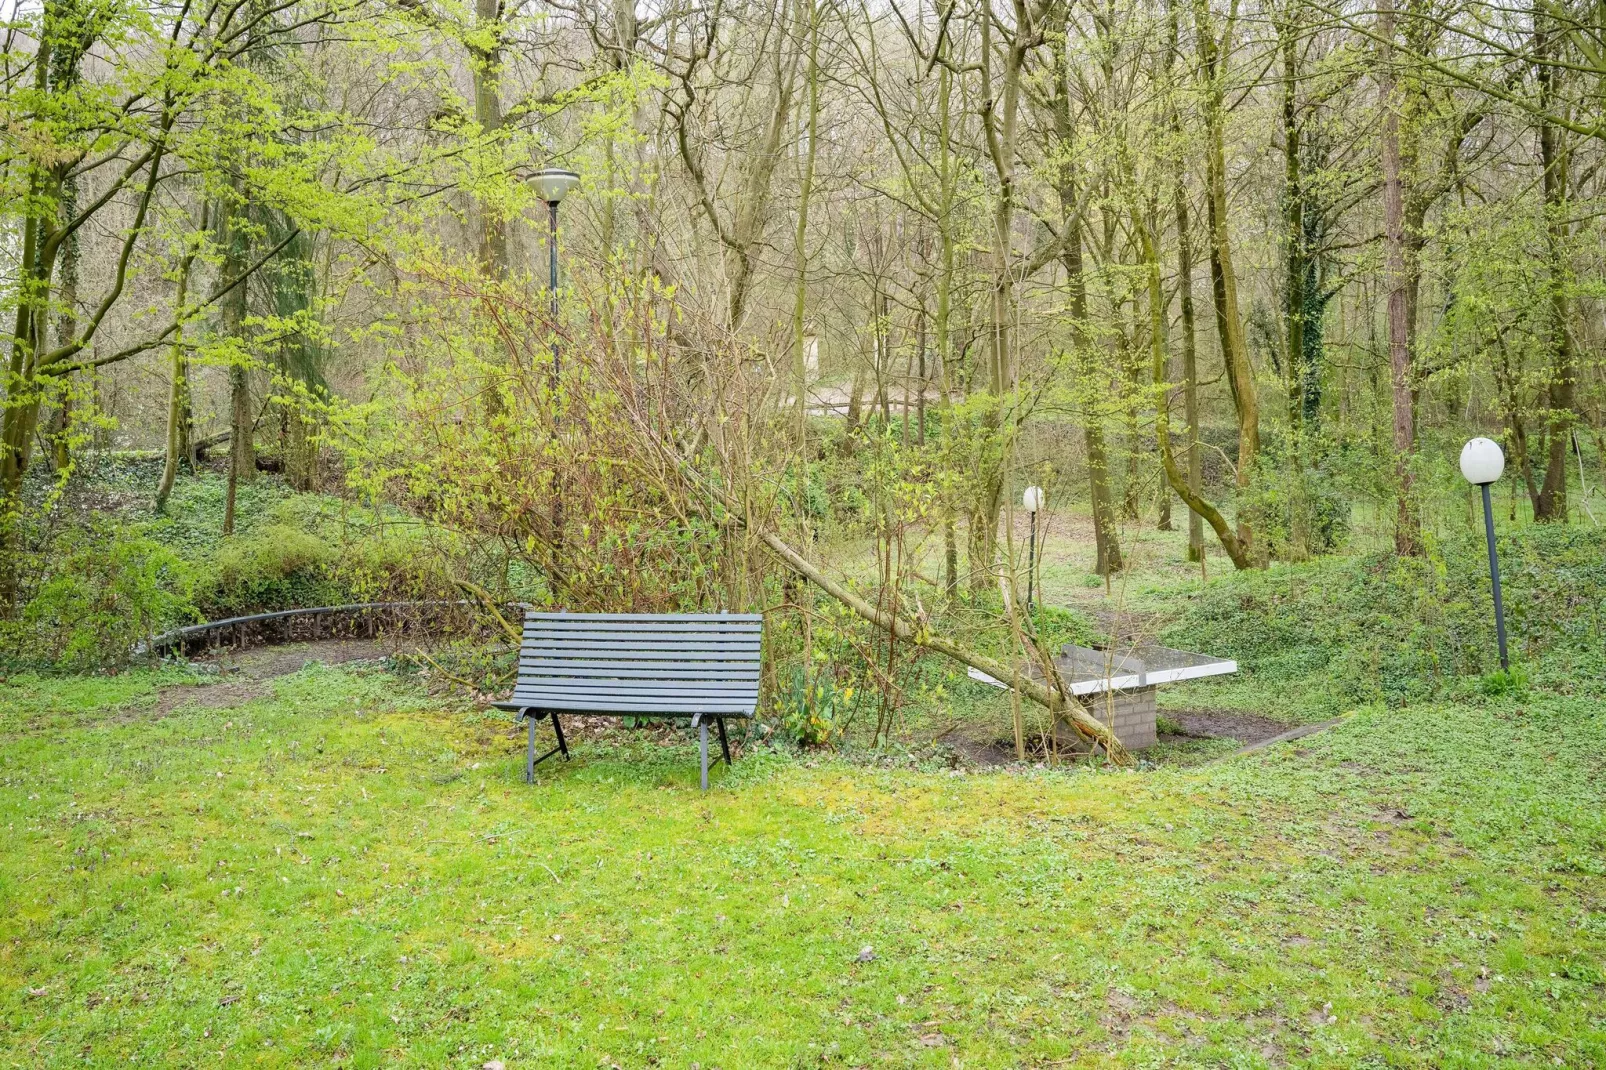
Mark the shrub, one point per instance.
(274, 567)
(283, 567)
(813, 713)
(107, 591)
(1296, 515)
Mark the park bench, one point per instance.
(703, 666)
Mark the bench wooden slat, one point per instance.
(550, 679)
(652, 670)
(636, 653)
(606, 706)
(623, 653)
(736, 642)
(671, 694)
(613, 707)
(645, 618)
(614, 624)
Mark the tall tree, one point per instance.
(1214, 53)
(1551, 502)
(1396, 281)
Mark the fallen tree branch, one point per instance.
(483, 597)
(1050, 698)
(1051, 694)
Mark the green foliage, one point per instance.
(111, 574)
(1383, 628)
(275, 567)
(1296, 513)
(812, 712)
(1512, 682)
(108, 590)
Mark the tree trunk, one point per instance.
(242, 420)
(35, 272)
(178, 397)
(1106, 534)
(485, 63)
(1190, 366)
(1551, 503)
(66, 330)
(1407, 533)
(1294, 252)
(800, 259)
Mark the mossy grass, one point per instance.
(344, 871)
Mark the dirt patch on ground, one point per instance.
(979, 754)
(219, 696)
(267, 662)
(245, 672)
(1246, 728)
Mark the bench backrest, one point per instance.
(646, 664)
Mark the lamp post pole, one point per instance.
(1031, 564)
(552, 251)
(1482, 462)
(1494, 577)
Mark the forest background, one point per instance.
(838, 281)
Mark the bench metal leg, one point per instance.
(557, 729)
(724, 744)
(530, 760)
(702, 744)
(529, 752)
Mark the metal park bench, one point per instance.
(698, 665)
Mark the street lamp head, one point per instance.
(1482, 461)
(1032, 499)
(552, 184)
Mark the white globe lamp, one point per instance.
(1482, 461)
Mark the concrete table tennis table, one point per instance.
(1118, 687)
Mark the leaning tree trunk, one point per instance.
(1223, 275)
(1236, 548)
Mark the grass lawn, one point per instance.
(342, 872)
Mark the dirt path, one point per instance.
(1246, 728)
(244, 674)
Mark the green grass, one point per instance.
(343, 872)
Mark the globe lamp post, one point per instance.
(1033, 501)
(1482, 462)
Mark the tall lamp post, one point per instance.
(1482, 461)
(1033, 501)
(552, 184)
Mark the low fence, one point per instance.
(361, 620)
